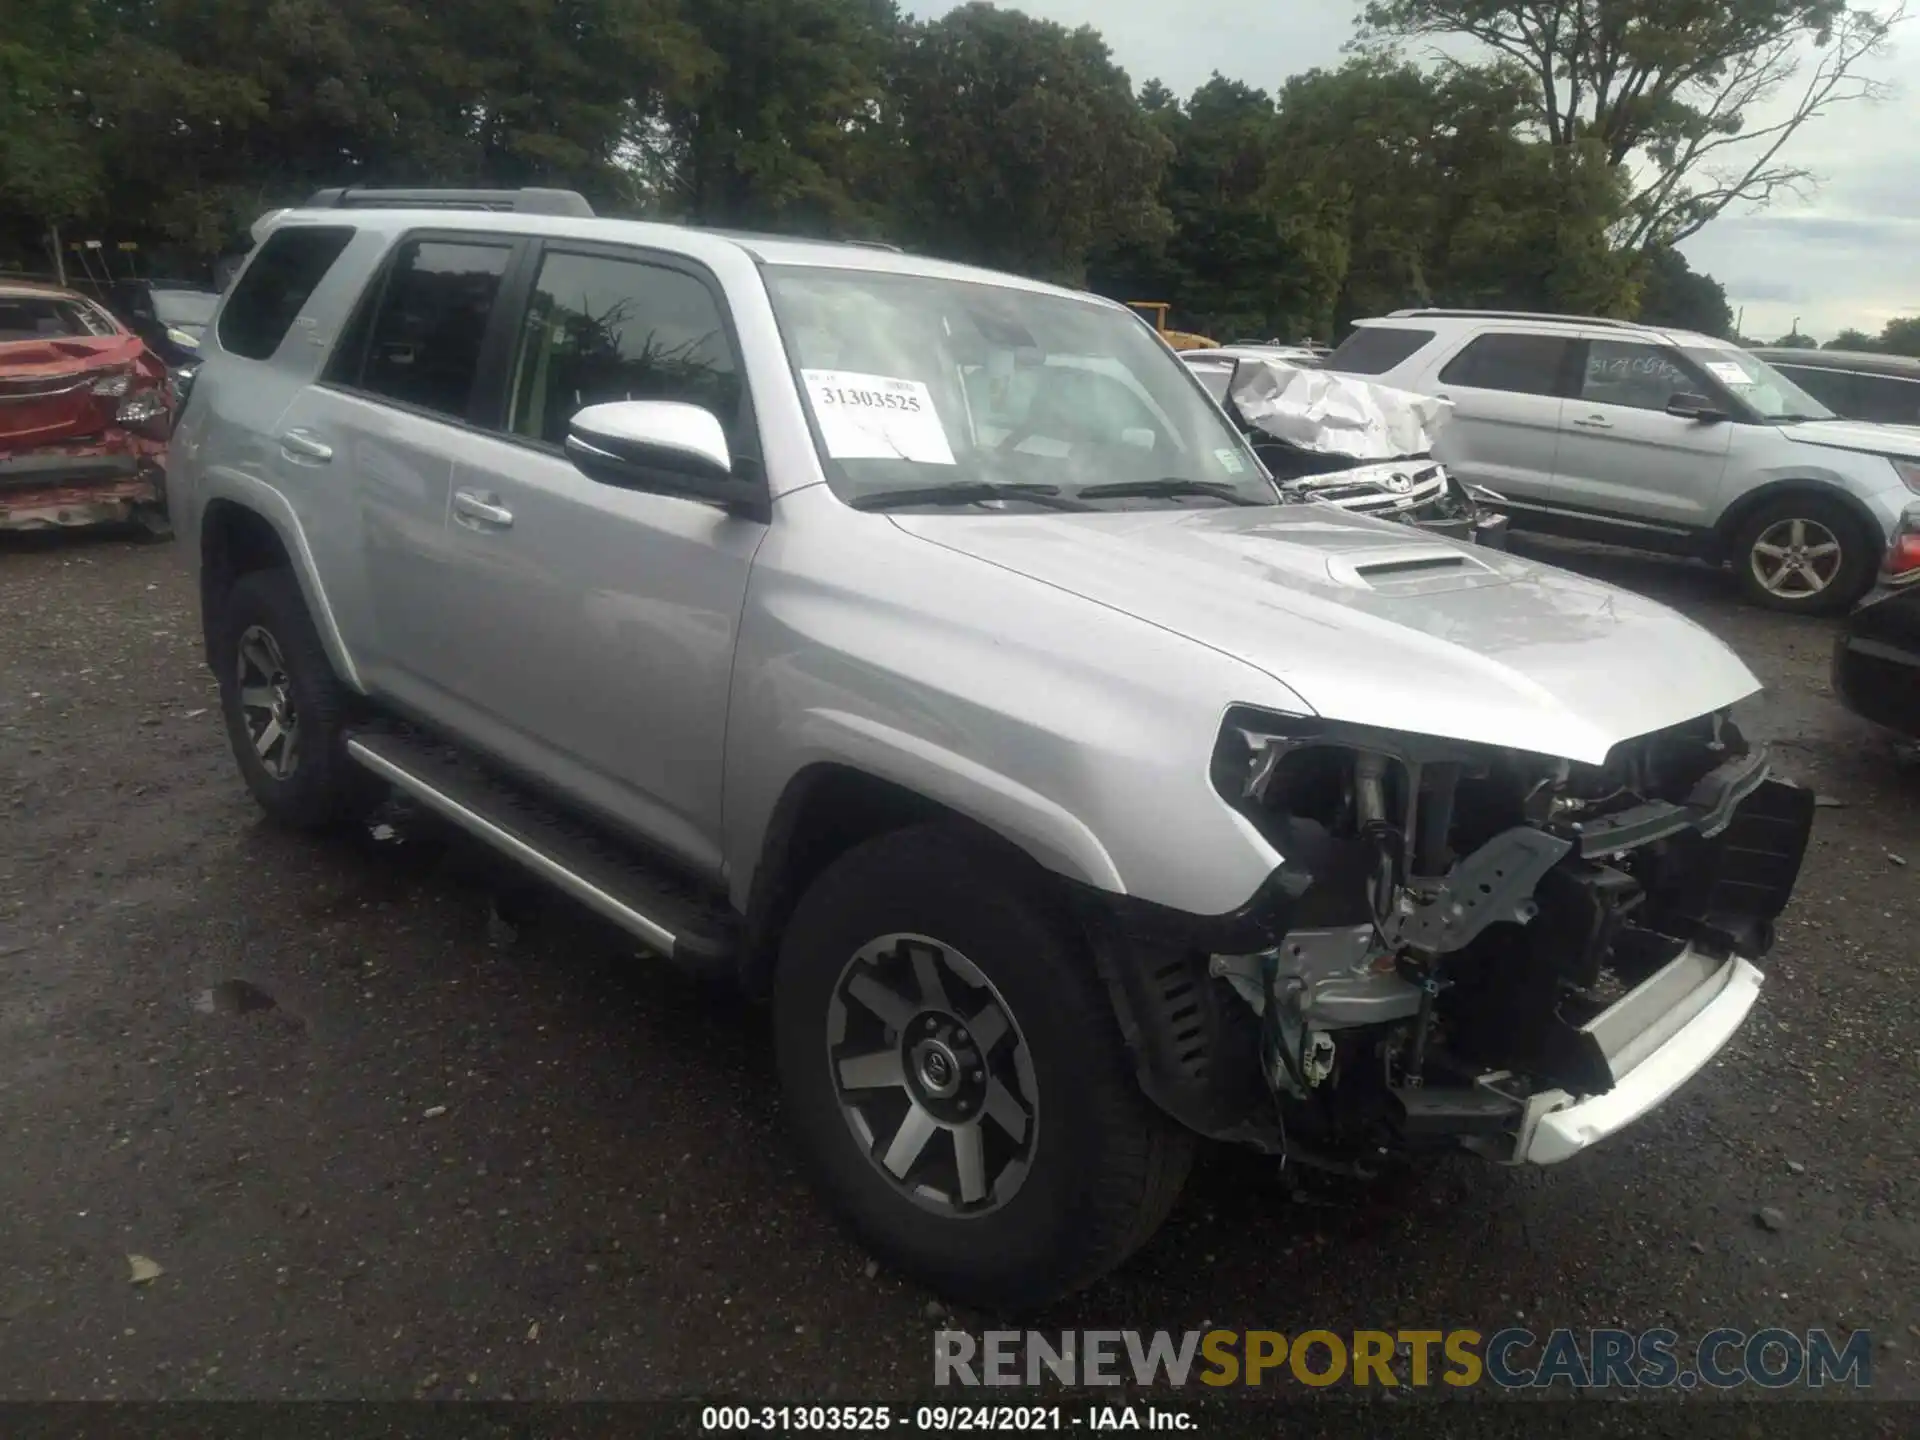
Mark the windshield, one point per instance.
(935, 391)
(191, 308)
(1772, 395)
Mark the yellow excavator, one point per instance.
(1156, 311)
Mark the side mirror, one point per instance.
(1697, 408)
(663, 446)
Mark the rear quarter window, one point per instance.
(1503, 360)
(1376, 349)
(272, 290)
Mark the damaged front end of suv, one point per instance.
(1469, 947)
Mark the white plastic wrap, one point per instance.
(1325, 413)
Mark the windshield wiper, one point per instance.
(1170, 487)
(972, 492)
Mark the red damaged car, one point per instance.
(85, 410)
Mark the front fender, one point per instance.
(1046, 830)
(1076, 732)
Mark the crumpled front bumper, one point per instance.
(1656, 1038)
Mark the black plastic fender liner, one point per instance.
(1736, 883)
(1194, 1042)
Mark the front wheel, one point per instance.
(285, 709)
(1804, 553)
(955, 1079)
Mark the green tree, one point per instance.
(789, 125)
(1673, 293)
(1796, 341)
(209, 111)
(1402, 186)
(1223, 261)
(49, 163)
(1855, 340)
(1667, 89)
(1901, 337)
(1025, 145)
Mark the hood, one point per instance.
(1377, 624)
(1901, 440)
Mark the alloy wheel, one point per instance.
(1796, 559)
(932, 1075)
(266, 703)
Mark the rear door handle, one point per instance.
(481, 510)
(304, 445)
(1595, 422)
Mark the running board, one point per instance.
(655, 908)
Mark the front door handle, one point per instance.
(481, 510)
(1595, 422)
(304, 445)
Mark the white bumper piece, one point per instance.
(1655, 1038)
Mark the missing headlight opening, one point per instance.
(1475, 938)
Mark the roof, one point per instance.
(18, 288)
(1294, 353)
(1531, 320)
(682, 239)
(1867, 361)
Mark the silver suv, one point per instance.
(1656, 439)
(924, 649)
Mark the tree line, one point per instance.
(1555, 167)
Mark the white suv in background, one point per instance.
(1657, 439)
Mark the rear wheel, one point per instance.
(955, 1079)
(1805, 553)
(284, 707)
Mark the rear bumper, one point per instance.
(1656, 1038)
(51, 488)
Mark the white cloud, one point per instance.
(1848, 254)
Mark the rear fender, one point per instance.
(250, 493)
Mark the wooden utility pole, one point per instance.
(59, 254)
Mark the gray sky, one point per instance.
(1846, 255)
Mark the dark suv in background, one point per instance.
(1883, 389)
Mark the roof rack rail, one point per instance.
(529, 200)
(1440, 314)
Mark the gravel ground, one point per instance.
(382, 1143)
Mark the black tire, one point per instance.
(1104, 1167)
(1820, 517)
(320, 786)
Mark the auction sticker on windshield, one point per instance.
(1728, 373)
(877, 417)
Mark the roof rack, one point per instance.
(1517, 315)
(726, 233)
(529, 200)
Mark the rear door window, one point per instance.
(1835, 389)
(1376, 349)
(1518, 364)
(1887, 399)
(420, 345)
(276, 285)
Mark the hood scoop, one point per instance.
(1410, 569)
